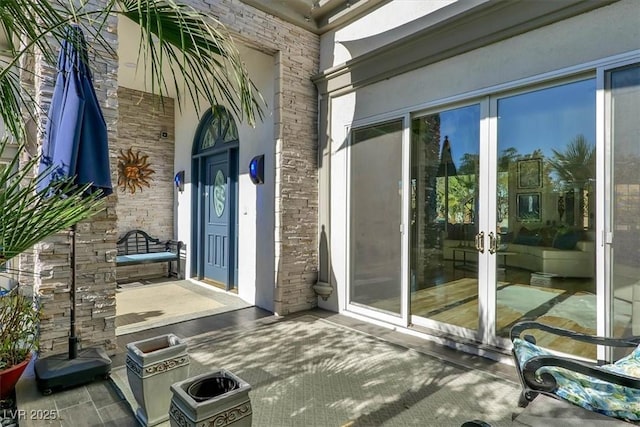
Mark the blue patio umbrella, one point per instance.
(75, 145)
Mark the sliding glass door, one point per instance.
(444, 241)
(505, 201)
(545, 209)
(623, 107)
(375, 217)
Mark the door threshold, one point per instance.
(219, 285)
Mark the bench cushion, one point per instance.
(145, 258)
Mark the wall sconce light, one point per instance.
(179, 181)
(256, 169)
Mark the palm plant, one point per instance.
(176, 37)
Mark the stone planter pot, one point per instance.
(152, 366)
(218, 398)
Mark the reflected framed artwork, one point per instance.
(530, 173)
(528, 207)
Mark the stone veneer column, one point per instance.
(48, 268)
(295, 145)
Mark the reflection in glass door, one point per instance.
(545, 212)
(444, 216)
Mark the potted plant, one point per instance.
(19, 317)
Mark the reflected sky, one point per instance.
(545, 119)
(548, 118)
(462, 126)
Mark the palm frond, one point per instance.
(177, 37)
(197, 47)
(29, 215)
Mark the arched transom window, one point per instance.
(218, 128)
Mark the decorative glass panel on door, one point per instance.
(545, 255)
(443, 215)
(376, 203)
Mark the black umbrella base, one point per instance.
(55, 373)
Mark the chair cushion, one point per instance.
(144, 258)
(593, 394)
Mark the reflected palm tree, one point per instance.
(575, 167)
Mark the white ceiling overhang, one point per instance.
(317, 16)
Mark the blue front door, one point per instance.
(216, 205)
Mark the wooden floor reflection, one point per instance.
(568, 303)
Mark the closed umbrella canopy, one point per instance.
(446, 168)
(76, 143)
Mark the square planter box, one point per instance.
(218, 398)
(152, 366)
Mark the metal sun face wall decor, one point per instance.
(134, 171)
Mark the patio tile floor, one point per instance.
(101, 404)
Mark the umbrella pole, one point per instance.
(59, 372)
(73, 340)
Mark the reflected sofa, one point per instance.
(550, 251)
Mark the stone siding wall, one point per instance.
(48, 268)
(142, 119)
(295, 143)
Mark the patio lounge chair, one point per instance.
(609, 389)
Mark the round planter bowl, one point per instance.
(9, 378)
(208, 388)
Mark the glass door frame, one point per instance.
(401, 320)
(555, 79)
(604, 208)
(478, 335)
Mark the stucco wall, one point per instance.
(379, 27)
(564, 44)
(142, 117)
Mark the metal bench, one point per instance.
(610, 389)
(137, 247)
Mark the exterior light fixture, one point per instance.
(179, 181)
(256, 169)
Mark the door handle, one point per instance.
(493, 243)
(480, 242)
